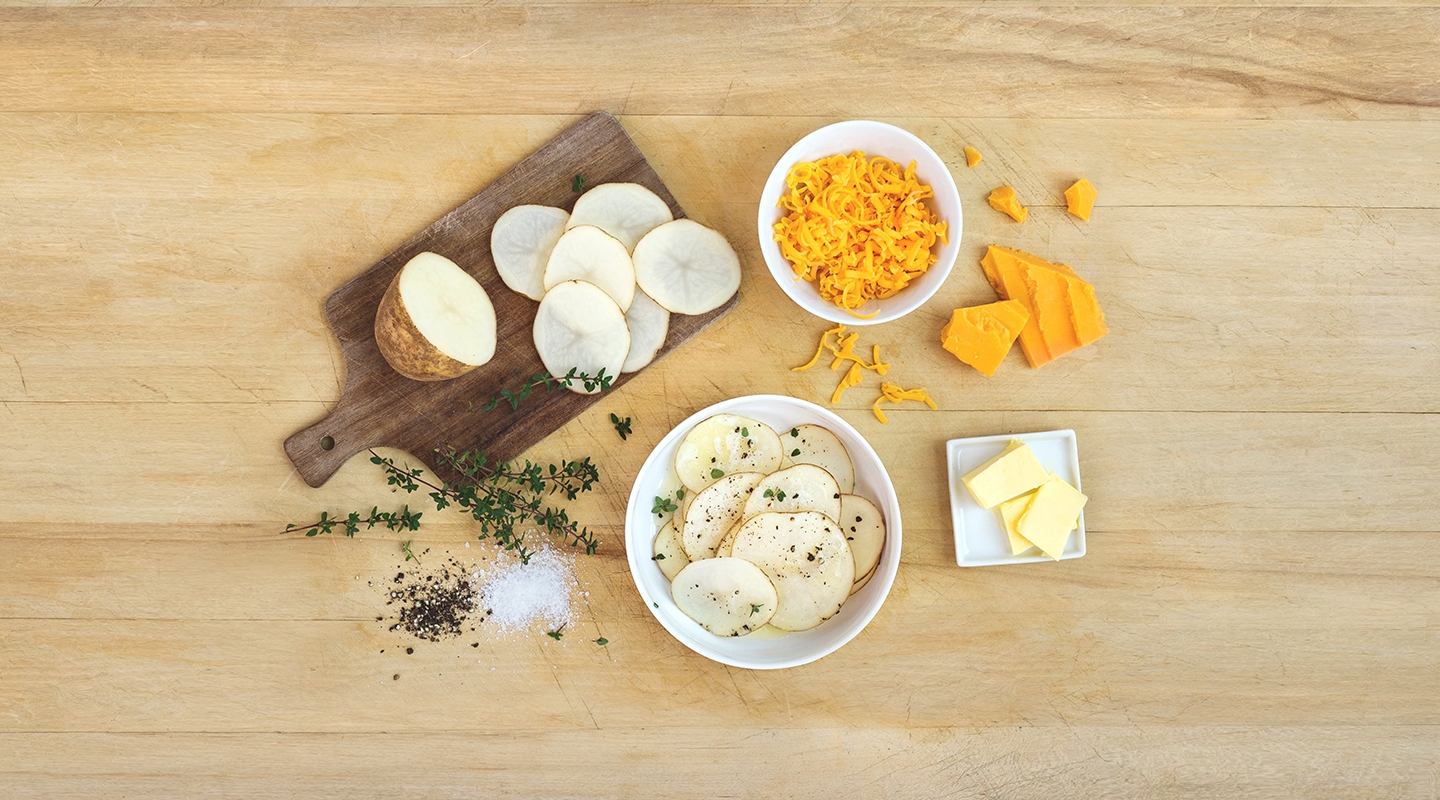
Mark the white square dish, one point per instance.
(980, 539)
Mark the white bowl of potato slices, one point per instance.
(763, 532)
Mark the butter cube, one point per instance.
(1010, 513)
(1012, 473)
(1053, 512)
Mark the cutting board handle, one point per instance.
(320, 450)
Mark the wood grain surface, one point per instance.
(1258, 614)
(381, 408)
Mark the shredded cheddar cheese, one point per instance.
(824, 337)
(894, 394)
(857, 227)
(852, 378)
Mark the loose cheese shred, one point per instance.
(857, 227)
(894, 394)
(876, 364)
(837, 330)
(852, 378)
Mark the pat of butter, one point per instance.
(1053, 512)
(1010, 513)
(1012, 473)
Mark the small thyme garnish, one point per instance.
(778, 495)
(578, 184)
(557, 633)
(755, 609)
(590, 383)
(658, 557)
(402, 520)
(794, 431)
(621, 427)
(409, 554)
(717, 473)
(602, 641)
(662, 505)
(795, 452)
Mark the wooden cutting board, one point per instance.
(379, 407)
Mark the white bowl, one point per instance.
(754, 652)
(875, 139)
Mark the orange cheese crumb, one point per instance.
(894, 394)
(1080, 199)
(981, 336)
(852, 378)
(859, 228)
(972, 157)
(1064, 314)
(1005, 201)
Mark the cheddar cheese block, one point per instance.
(1064, 314)
(981, 336)
(1052, 513)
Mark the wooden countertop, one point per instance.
(1259, 611)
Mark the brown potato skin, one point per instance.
(409, 353)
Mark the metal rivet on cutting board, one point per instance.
(327, 443)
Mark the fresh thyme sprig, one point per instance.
(622, 427)
(403, 520)
(504, 497)
(590, 383)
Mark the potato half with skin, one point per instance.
(435, 321)
(727, 596)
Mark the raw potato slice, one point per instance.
(626, 211)
(803, 487)
(864, 528)
(727, 544)
(727, 596)
(725, 443)
(649, 324)
(435, 321)
(687, 267)
(586, 253)
(579, 327)
(714, 511)
(669, 553)
(806, 558)
(821, 447)
(521, 242)
(861, 582)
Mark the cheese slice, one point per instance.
(1012, 473)
(1010, 513)
(1064, 314)
(981, 336)
(1051, 515)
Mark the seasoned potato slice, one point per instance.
(806, 558)
(723, 444)
(727, 543)
(727, 596)
(803, 487)
(714, 510)
(860, 582)
(669, 553)
(821, 447)
(864, 528)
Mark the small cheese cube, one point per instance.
(1010, 513)
(1005, 201)
(972, 157)
(1080, 199)
(1014, 472)
(1051, 515)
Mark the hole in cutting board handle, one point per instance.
(327, 443)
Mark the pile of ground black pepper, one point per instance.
(434, 604)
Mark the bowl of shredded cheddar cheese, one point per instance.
(860, 222)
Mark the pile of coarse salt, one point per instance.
(517, 596)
